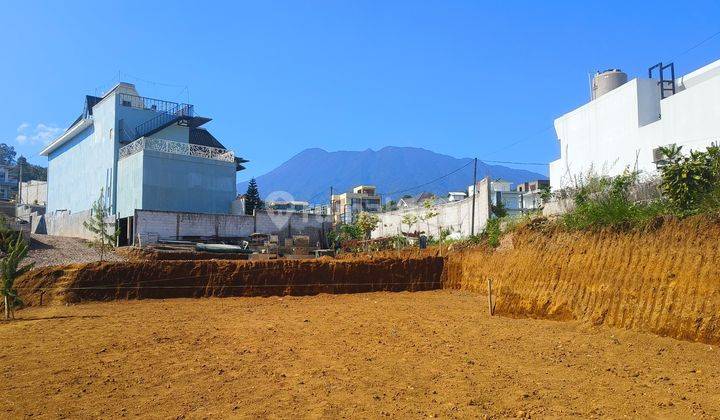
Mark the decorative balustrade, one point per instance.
(177, 148)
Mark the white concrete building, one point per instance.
(623, 127)
(456, 196)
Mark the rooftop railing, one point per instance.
(142, 102)
(177, 148)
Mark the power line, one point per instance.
(460, 168)
(515, 163)
(695, 46)
(515, 143)
(429, 182)
(151, 81)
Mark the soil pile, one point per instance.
(665, 281)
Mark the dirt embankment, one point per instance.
(172, 279)
(665, 281)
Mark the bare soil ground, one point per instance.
(46, 250)
(362, 355)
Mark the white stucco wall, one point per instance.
(621, 128)
(455, 216)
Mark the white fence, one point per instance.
(455, 216)
(151, 226)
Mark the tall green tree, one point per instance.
(10, 270)
(30, 172)
(252, 198)
(105, 235)
(7, 154)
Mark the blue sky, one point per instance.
(468, 79)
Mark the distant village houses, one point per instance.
(346, 206)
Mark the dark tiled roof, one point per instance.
(204, 138)
(90, 102)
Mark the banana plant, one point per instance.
(10, 270)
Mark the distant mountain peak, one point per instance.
(309, 174)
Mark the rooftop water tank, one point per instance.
(605, 81)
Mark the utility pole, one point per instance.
(19, 198)
(474, 184)
(331, 206)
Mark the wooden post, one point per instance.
(491, 308)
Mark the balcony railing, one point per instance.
(142, 102)
(177, 148)
(163, 119)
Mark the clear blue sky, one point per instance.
(468, 79)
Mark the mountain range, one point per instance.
(395, 171)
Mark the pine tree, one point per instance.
(252, 198)
(104, 239)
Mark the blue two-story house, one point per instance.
(144, 153)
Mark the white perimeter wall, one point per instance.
(623, 126)
(69, 224)
(455, 215)
(153, 225)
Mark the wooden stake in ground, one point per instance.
(491, 308)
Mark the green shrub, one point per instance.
(691, 183)
(7, 235)
(492, 232)
(344, 232)
(499, 210)
(605, 203)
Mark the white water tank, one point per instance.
(605, 81)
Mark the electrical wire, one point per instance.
(695, 46)
(515, 143)
(429, 182)
(515, 163)
(241, 286)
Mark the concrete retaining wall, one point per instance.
(68, 224)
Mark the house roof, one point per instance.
(90, 102)
(417, 199)
(74, 129)
(203, 137)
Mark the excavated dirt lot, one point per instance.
(434, 353)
